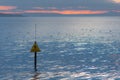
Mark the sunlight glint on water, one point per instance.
(73, 48)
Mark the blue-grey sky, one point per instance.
(66, 7)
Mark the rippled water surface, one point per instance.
(72, 48)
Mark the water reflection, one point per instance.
(36, 76)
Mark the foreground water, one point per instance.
(73, 48)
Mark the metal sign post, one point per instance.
(35, 49)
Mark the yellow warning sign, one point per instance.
(35, 48)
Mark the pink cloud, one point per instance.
(52, 8)
(11, 12)
(42, 8)
(117, 11)
(7, 7)
(38, 8)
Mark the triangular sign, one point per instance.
(35, 48)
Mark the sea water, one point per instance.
(72, 48)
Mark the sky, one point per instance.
(62, 7)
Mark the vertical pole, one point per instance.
(35, 32)
(35, 58)
(35, 61)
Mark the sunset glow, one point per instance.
(66, 12)
(7, 7)
(64, 7)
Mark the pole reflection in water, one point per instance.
(36, 76)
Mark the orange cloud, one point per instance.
(66, 12)
(7, 7)
(117, 1)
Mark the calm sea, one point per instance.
(72, 48)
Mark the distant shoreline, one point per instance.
(54, 15)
